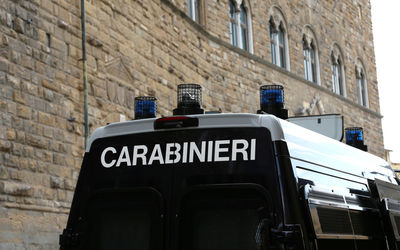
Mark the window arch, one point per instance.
(240, 25)
(361, 82)
(310, 57)
(278, 39)
(338, 73)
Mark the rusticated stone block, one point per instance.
(56, 182)
(17, 189)
(19, 25)
(36, 141)
(45, 119)
(5, 146)
(24, 111)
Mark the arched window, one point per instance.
(278, 38)
(278, 48)
(239, 26)
(233, 23)
(194, 10)
(361, 83)
(243, 28)
(310, 72)
(337, 78)
(310, 56)
(338, 75)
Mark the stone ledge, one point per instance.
(35, 208)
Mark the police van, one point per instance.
(196, 181)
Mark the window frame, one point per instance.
(194, 10)
(240, 32)
(243, 28)
(123, 198)
(338, 76)
(233, 24)
(278, 45)
(310, 62)
(236, 191)
(362, 91)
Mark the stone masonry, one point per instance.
(148, 47)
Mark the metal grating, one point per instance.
(366, 224)
(397, 221)
(393, 206)
(334, 221)
(189, 95)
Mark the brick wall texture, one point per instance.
(148, 47)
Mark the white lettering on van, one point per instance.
(183, 153)
(103, 157)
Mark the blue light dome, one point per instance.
(354, 135)
(271, 95)
(145, 107)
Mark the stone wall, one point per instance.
(145, 48)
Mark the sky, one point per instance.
(385, 22)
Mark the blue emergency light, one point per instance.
(145, 107)
(272, 95)
(354, 134)
(355, 138)
(272, 101)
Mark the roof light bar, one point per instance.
(145, 107)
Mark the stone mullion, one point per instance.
(359, 89)
(343, 79)
(309, 70)
(366, 102)
(277, 48)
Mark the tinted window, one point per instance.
(225, 229)
(231, 221)
(324, 180)
(120, 228)
(124, 221)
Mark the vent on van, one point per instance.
(393, 206)
(397, 221)
(334, 221)
(365, 223)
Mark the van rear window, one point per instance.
(120, 228)
(229, 219)
(124, 220)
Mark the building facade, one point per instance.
(321, 51)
